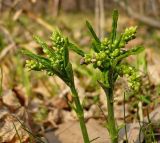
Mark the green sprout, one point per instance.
(107, 55)
(56, 62)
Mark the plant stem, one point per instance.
(113, 131)
(124, 109)
(111, 119)
(80, 114)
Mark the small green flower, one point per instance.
(32, 65)
(129, 33)
(115, 53)
(56, 60)
(57, 39)
(109, 52)
(105, 42)
(132, 75)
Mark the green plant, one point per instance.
(57, 63)
(107, 56)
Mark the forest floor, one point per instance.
(34, 106)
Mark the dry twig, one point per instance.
(147, 20)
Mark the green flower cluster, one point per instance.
(108, 51)
(107, 54)
(56, 60)
(128, 35)
(132, 75)
(34, 65)
(55, 54)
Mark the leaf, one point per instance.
(133, 51)
(40, 59)
(137, 50)
(104, 86)
(19, 138)
(9, 98)
(26, 129)
(119, 40)
(8, 133)
(44, 61)
(145, 99)
(69, 72)
(114, 25)
(76, 49)
(45, 47)
(95, 45)
(72, 106)
(66, 53)
(92, 32)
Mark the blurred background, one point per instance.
(44, 98)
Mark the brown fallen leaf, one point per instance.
(10, 100)
(8, 132)
(133, 129)
(70, 132)
(13, 119)
(21, 94)
(3, 112)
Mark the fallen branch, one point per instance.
(147, 20)
(11, 42)
(39, 21)
(6, 51)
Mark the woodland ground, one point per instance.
(39, 102)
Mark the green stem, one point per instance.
(111, 119)
(124, 109)
(80, 114)
(111, 123)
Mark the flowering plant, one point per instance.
(107, 55)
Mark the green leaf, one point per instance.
(145, 99)
(31, 55)
(43, 44)
(136, 50)
(104, 86)
(69, 72)
(44, 61)
(133, 51)
(119, 40)
(73, 106)
(95, 45)
(66, 53)
(76, 49)
(92, 32)
(114, 25)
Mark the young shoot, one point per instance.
(107, 55)
(56, 62)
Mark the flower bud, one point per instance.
(129, 34)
